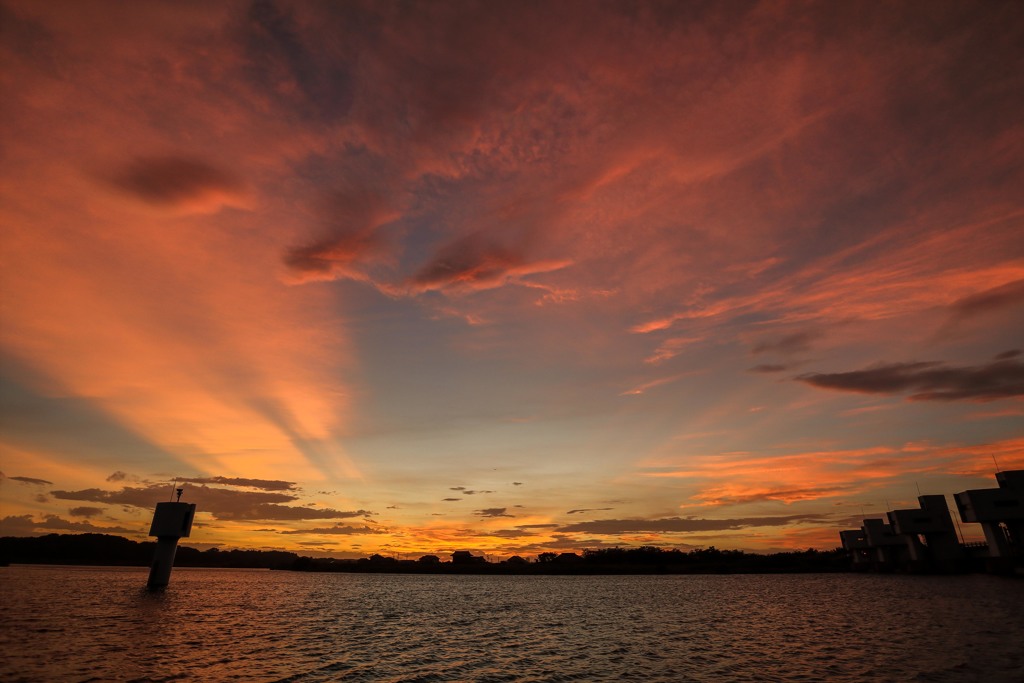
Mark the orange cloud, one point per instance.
(731, 479)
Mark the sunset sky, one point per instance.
(507, 276)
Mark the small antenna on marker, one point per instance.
(995, 461)
(173, 485)
(918, 488)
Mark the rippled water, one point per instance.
(71, 624)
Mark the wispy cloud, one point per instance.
(337, 530)
(472, 263)
(741, 478)
(580, 511)
(685, 524)
(264, 484)
(31, 480)
(647, 386)
(670, 348)
(768, 368)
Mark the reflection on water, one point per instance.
(99, 623)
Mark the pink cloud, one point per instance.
(734, 479)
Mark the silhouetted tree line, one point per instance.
(644, 560)
(101, 549)
(105, 550)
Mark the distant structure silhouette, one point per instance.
(171, 522)
(464, 557)
(925, 539)
(999, 511)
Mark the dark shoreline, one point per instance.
(114, 551)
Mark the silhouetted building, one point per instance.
(999, 511)
(925, 538)
(855, 543)
(929, 533)
(888, 551)
(464, 557)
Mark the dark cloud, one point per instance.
(264, 484)
(537, 526)
(352, 242)
(582, 510)
(337, 530)
(930, 380)
(17, 525)
(333, 257)
(221, 503)
(450, 500)
(1008, 354)
(473, 493)
(797, 342)
(117, 476)
(85, 511)
(23, 525)
(517, 483)
(30, 40)
(996, 299)
(474, 263)
(172, 180)
(469, 260)
(508, 533)
(493, 512)
(312, 78)
(677, 524)
(272, 511)
(40, 498)
(32, 480)
(457, 488)
(768, 368)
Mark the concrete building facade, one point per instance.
(925, 539)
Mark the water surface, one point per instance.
(81, 624)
